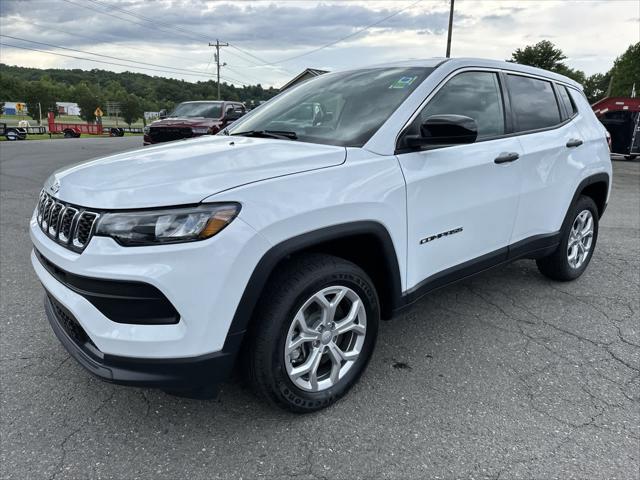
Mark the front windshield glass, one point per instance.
(343, 109)
(199, 109)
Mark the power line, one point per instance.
(347, 36)
(172, 30)
(104, 62)
(253, 79)
(106, 56)
(150, 20)
(262, 63)
(47, 27)
(123, 19)
(173, 27)
(93, 40)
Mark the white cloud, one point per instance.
(591, 33)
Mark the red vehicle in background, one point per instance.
(192, 119)
(74, 130)
(621, 118)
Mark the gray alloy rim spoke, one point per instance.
(325, 338)
(580, 239)
(349, 322)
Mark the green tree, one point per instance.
(11, 88)
(546, 55)
(41, 95)
(88, 99)
(111, 86)
(543, 54)
(595, 86)
(131, 109)
(626, 72)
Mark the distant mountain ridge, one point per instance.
(154, 92)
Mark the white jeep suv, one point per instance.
(283, 241)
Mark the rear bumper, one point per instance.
(195, 377)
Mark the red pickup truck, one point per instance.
(192, 119)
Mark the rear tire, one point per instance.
(297, 328)
(577, 243)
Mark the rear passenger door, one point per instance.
(543, 114)
(461, 203)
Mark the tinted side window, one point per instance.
(567, 101)
(472, 94)
(533, 103)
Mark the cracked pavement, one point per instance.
(504, 376)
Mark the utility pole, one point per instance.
(218, 44)
(39, 114)
(450, 29)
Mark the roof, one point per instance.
(455, 63)
(312, 72)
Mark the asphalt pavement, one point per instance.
(504, 376)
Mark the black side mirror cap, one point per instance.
(438, 130)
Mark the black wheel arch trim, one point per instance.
(590, 180)
(279, 252)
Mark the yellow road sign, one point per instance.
(20, 107)
(98, 112)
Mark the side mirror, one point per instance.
(444, 130)
(162, 114)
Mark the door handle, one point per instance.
(574, 142)
(507, 157)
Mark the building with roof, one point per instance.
(306, 75)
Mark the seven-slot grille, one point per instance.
(68, 225)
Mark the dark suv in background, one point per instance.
(192, 119)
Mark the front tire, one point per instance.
(314, 332)
(578, 241)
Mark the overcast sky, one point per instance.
(274, 40)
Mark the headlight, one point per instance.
(172, 225)
(146, 129)
(200, 130)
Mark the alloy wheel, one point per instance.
(580, 239)
(325, 338)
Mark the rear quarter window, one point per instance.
(567, 101)
(533, 103)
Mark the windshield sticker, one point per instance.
(403, 82)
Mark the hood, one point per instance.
(186, 172)
(186, 122)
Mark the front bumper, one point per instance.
(203, 281)
(194, 377)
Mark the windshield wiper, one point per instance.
(279, 134)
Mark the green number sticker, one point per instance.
(403, 82)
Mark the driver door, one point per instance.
(462, 200)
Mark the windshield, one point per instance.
(199, 109)
(343, 109)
